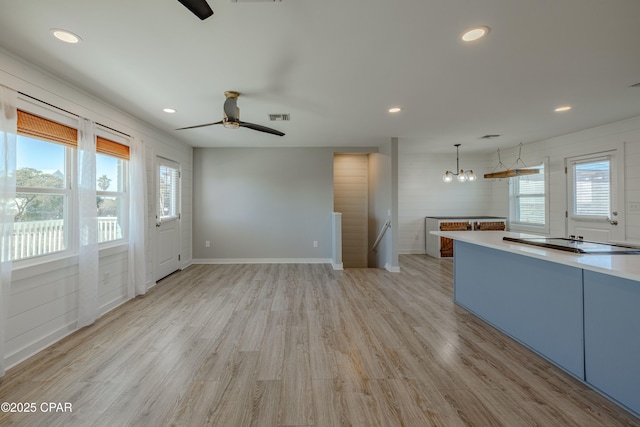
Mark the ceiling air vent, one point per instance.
(490, 136)
(279, 117)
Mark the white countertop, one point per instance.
(625, 266)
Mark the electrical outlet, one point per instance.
(315, 243)
(634, 206)
(207, 244)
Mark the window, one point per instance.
(111, 197)
(528, 201)
(45, 198)
(592, 188)
(43, 191)
(111, 189)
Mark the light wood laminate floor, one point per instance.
(300, 345)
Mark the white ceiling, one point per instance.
(336, 66)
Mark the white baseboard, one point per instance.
(46, 341)
(392, 268)
(111, 305)
(261, 261)
(337, 266)
(37, 346)
(412, 252)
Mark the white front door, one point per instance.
(167, 246)
(595, 189)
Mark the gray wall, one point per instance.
(262, 203)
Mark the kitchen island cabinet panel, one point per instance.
(488, 278)
(612, 337)
(536, 302)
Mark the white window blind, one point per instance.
(168, 191)
(528, 199)
(592, 188)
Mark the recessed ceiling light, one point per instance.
(475, 33)
(65, 36)
(395, 109)
(169, 110)
(563, 108)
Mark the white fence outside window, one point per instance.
(35, 238)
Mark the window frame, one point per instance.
(514, 223)
(123, 194)
(71, 224)
(71, 221)
(67, 192)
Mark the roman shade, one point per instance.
(112, 148)
(48, 130)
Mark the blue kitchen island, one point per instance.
(579, 311)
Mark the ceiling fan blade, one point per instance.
(231, 109)
(200, 8)
(201, 126)
(260, 128)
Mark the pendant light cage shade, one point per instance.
(461, 175)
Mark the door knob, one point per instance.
(614, 222)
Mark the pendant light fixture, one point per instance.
(461, 175)
(514, 170)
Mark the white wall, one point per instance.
(598, 139)
(421, 193)
(44, 297)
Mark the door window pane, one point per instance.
(592, 188)
(168, 191)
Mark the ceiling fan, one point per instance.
(232, 117)
(200, 8)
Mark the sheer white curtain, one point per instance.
(8, 131)
(88, 224)
(137, 218)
